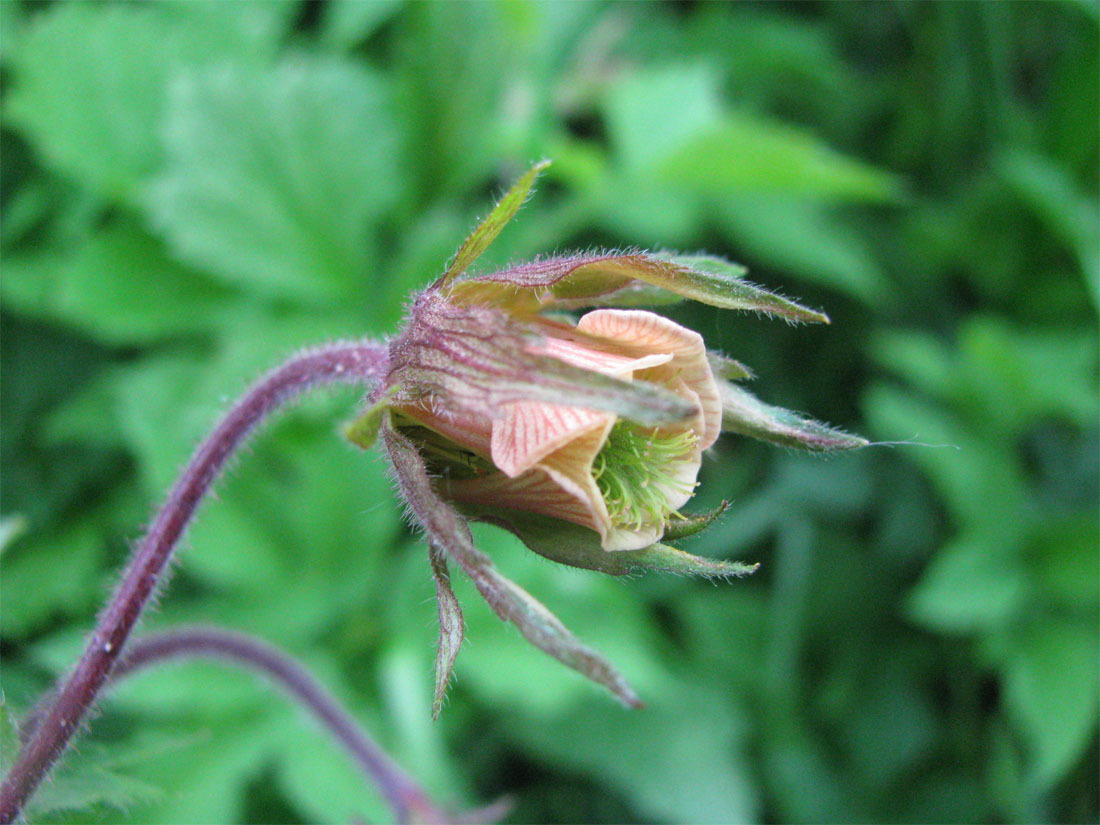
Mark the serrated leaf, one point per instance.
(445, 527)
(119, 287)
(671, 130)
(91, 83)
(274, 180)
(90, 777)
(487, 231)
(745, 414)
(450, 627)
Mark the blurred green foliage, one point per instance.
(191, 191)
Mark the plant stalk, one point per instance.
(408, 800)
(355, 363)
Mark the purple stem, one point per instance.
(404, 795)
(355, 363)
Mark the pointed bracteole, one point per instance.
(681, 528)
(487, 231)
(451, 630)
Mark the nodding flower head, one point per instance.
(582, 435)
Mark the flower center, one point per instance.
(636, 470)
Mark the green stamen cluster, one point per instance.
(635, 470)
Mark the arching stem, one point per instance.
(355, 363)
(408, 800)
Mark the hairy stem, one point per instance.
(355, 363)
(406, 798)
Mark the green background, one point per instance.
(190, 192)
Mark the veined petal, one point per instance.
(617, 366)
(649, 332)
(560, 485)
(531, 430)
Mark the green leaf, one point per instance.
(748, 153)
(1070, 214)
(86, 781)
(1051, 683)
(745, 414)
(9, 738)
(670, 129)
(276, 181)
(488, 229)
(971, 585)
(805, 238)
(92, 79)
(654, 112)
(684, 763)
(119, 287)
(32, 588)
(347, 23)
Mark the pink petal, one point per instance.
(651, 333)
(531, 430)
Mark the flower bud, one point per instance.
(583, 437)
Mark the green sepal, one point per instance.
(725, 367)
(720, 283)
(684, 526)
(446, 528)
(576, 546)
(487, 231)
(745, 414)
(632, 294)
(629, 279)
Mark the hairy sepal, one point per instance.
(487, 231)
(576, 546)
(635, 278)
(745, 414)
(451, 626)
(480, 358)
(449, 531)
(720, 283)
(728, 368)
